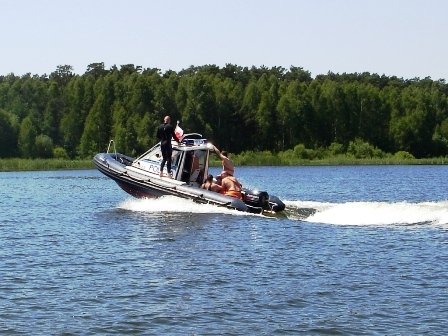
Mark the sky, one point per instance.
(403, 38)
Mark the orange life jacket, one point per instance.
(234, 193)
(234, 190)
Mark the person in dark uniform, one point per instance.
(164, 133)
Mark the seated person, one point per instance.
(231, 186)
(210, 185)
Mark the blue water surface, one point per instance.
(79, 256)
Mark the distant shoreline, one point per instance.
(17, 164)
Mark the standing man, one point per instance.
(164, 133)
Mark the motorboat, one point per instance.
(141, 178)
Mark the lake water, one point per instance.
(79, 256)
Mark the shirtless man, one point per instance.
(230, 185)
(227, 164)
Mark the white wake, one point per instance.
(374, 213)
(349, 213)
(175, 205)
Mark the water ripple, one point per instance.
(75, 258)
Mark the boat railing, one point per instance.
(115, 149)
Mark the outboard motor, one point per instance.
(257, 199)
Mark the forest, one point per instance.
(240, 109)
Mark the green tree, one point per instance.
(223, 118)
(44, 146)
(62, 75)
(8, 134)
(97, 126)
(165, 97)
(363, 150)
(76, 99)
(321, 122)
(27, 138)
(96, 70)
(266, 111)
(371, 116)
(53, 112)
(413, 122)
(248, 115)
(293, 108)
(199, 104)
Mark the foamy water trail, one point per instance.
(173, 204)
(375, 213)
(349, 213)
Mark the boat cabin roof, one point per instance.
(190, 142)
(193, 141)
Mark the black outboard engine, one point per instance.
(256, 199)
(276, 204)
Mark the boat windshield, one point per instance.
(151, 160)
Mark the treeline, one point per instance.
(66, 115)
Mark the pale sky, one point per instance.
(403, 38)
